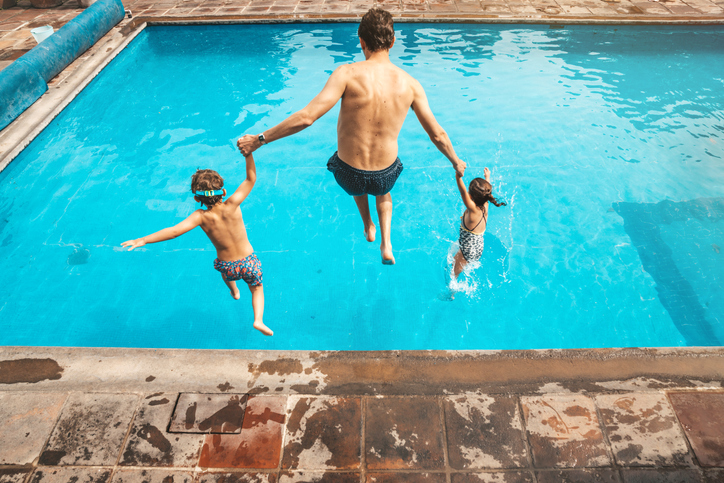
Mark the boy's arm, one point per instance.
(319, 106)
(437, 134)
(244, 188)
(188, 224)
(467, 200)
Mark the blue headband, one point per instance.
(209, 193)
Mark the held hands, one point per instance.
(138, 242)
(459, 167)
(248, 144)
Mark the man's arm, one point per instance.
(244, 188)
(437, 134)
(319, 106)
(188, 224)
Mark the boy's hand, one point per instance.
(138, 242)
(248, 144)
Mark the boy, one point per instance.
(223, 224)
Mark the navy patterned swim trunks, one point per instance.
(248, 269)
(357, 182)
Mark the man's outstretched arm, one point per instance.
(319, 106)
(437, 134)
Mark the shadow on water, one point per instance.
(645, 224)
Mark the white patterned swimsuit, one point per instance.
(471, 244)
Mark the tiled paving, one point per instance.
(627, 437)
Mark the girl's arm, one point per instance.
(467, 200)
(188, 224)
(244, 188)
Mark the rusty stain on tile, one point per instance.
(323, 433)
(71, 475)
(317, 477)
(484, 432)
(661, 476)
(14, 475)
(403, 433)
(405, 477)
(91, 430)
(148, 442)
(596, 475)
(29, 371)
(564, 431)
(702, 416)
(238, 478)
(259, 443)
(208, 413)
(643, 430)
(151, 476)
(26, 420)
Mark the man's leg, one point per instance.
(364, 211)
(384, 212)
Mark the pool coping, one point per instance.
(69, 83)
(433, 372)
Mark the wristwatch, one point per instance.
(262, 139)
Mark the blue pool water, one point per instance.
(607, 143)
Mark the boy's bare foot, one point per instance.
(387, 257)
(370, 232)
(263, 328)
(235, 293)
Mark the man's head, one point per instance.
(377, 30)
(207, 180)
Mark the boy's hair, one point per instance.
(207, 179)
(481, 191)
(377, 30)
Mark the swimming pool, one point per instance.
(606, 142)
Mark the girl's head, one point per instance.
(481, 191)
(207, 180)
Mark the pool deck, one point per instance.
(163, 416)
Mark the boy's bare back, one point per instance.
(224, 226)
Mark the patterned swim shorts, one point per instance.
(357, 182)
(248, 269)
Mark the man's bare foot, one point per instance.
(387, 257)
(235, 293)
(370, 232)
(263, 328)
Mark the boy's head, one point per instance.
(377, 30)
(206, 180)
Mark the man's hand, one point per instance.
(248, 144)
(459, 167)
(138, 242)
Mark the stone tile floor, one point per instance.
(83, 437)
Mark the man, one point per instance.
(375, 95)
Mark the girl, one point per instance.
(474, 220)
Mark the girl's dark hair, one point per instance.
(482, 191)
(207, 179)
(377, 30)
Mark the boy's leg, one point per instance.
(384, 212)
(460, 263)
(232, 286)
(364, 211)
(257, 303)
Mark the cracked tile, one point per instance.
(26, 420)
(402, 433)
(71, 475)
(257, 446)
(323, 433)
(152, 476)
(643, 430)
(317, 477)
(149, 444)
(484, 432)
(237, 478)
(91, 430)
(579, 476)
(405, 477)
(661, 476)
(208, 413)
(700, 414)
(494, 477)
(564, 431)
